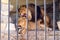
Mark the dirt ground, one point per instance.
(31, 35)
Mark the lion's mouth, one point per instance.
(24, 15)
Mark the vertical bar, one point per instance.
(8, 20)
(54, 18)
(0, 19)
(17, 17)
(36, 18)
(27, 17)
(45, 18)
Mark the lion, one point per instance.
(29, 25)
(29, 14)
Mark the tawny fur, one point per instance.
(22, 21)
(30, 25)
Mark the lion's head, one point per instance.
(30, 12)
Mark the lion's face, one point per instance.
(22, 22)
(24, 12)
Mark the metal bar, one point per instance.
(8, 20)
(45, 18)
(27, 17)
(17, 17)
(0, 19)
(54, 18)
(36, 18)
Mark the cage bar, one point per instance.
(54, 18)
(45, 19)
(0, 19)
(8, 20)
(36, 17)
(17, 18)
(27, 17)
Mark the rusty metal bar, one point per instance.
(54, 18)
(17, 18)
(8, 20)
(45, 19)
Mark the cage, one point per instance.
(29, 19)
